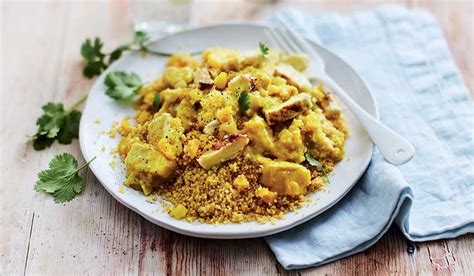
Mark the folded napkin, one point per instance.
(405, 61)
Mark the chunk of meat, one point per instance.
(203, 79)
(293, 77)
(288, 109)
(241, 83)
(285, 177)
(144, 158)
(224, 151)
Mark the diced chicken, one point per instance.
(285, 177)
(330, 106)
(228, 149)
(241, 83)
(176, 75)
(164, 132)
(293, 77)
(251, 58)
(210, 127)
(260, 134)
(288, 109)
(144, 158)
(203, 79)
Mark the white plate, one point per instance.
(101, 108)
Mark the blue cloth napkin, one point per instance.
(420, 93)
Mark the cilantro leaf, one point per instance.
(122, 86)
(117, 53)
(156, 102)
(263, 49)
(70, 129)
(244, 102)
(61, 179)
(315, 163)
(96, 61)
(140, 38)
(94, 57)
(57, 123)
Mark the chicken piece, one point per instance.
(285, 177)
(252, 58)
(324, 140)
(165, 133)
(260, 134)
(288, 109)
(241, 83)
(289, 145)
(144, 158)
(331, 108)
(222, 59)
(203, 79)
(175, 76)
(227, 150)
(293, 77)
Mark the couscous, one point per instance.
(228, 138)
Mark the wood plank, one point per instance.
(29, 72)
(94, 234)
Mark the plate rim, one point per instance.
(213, 234)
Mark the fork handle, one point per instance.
(394, 148)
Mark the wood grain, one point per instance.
(94, 234)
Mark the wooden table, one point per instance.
(94, 234)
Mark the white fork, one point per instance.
(391, 145)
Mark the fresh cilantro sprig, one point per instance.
(96, 61)
(264, 50)
(61, 179)
(57, 123)
(244, 102)
(315, 163)
(122, 86)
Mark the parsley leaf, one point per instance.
(315, 163)
(263, 49)
(57, 123)
(61, 179)
(244, 102)
(156, 102)
(122, 86)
